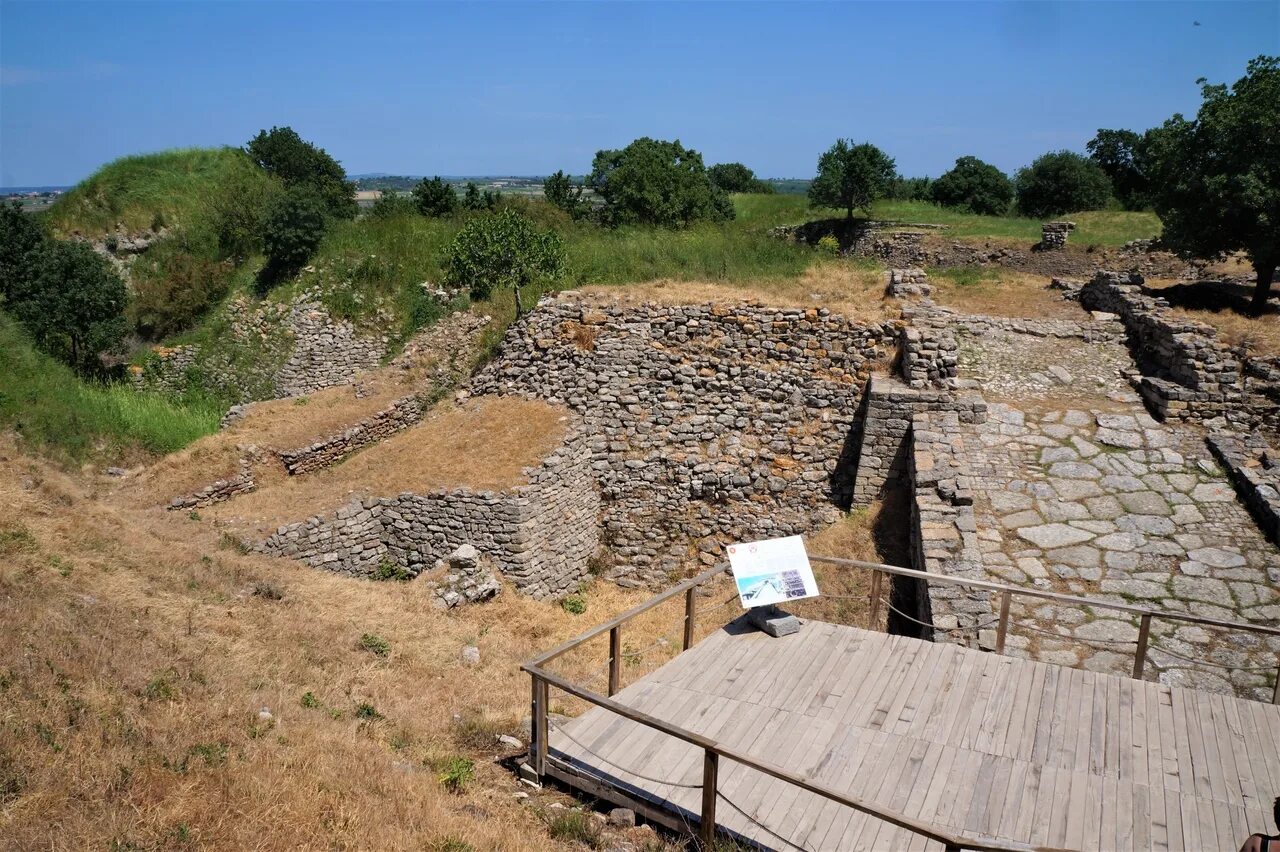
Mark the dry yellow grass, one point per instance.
(484, 444)
(1224, 307)
(135, 657)
(1004, 293)
(855, 290)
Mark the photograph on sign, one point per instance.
(772, 571)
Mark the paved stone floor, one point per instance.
(1079, 490)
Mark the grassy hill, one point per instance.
(133, 191)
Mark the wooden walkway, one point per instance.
(987, 745)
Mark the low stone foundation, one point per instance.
(540, 535)
(399, 415)
(1252, 466)
(1053, 235)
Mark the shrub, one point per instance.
(268, 590)
(237, 211)
(365, 710)
(574, 604)
(1061, 182)
(735, 177)
(851, 176)
(911, 189)
(502, 250)
(828, 244)
(434, 198)
(72, 303)
(375, 644)
(655, 182)
(169, 302)
(457, 774)
(560, 191)
(475, 200)
(309, 700)
(974, 186)
(293, 229)
(388, 570)
(391, 203)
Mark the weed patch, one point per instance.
(375, 644)
(458, 772)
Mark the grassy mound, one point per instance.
(53, 409)
(168, 187)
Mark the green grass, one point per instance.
(60, 413)
(1093, 227)
(132, 190)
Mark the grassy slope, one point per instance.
(55, 410)
(132, 190)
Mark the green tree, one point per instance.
(434, 198)
(166, 304)
(294, 227)
(286, 155)
(851, 176)
(974, 186)
(1120, 153)
(21, 239)
(499, 250)
(475, 200)
(237, 210)
(1216, 180)
(560, 191)
(72, 303)
(655, 182)
(735, 177)
(390, 203)
(1061, 182)
(911, 189)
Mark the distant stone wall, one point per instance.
(1188, 374)
(400, 414)
(326, 351)
(541, 536)
(708, 423)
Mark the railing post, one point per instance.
(1002, 630)
(615, 659)
(538, 748)
(707, 821)
(1140, 656)
(1275, 693)
(690, 612)
(876, 579)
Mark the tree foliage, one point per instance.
(237, 210)
(498, 250)
(1216, 179)
(1121, 154)
(475, 200)
(560, 191)
(166, 304)
(1061, 182)
(911, 189)
(390, 203)
(72, 303)
(21, 239)
(735, 177)
(974, 186)
(656, 182)
(850, 176)
(294, 226)
(287, 156)
(434, 198)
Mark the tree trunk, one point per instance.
(849, 212)
(519, 307)
(1266, 272)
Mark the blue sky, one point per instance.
(496, 88)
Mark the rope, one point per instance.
(556, 726)
(1177, 656)
(885, 601)
(757, 822)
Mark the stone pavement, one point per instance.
(1079, 490)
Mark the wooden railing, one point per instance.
(1007, 593)
(543, 680)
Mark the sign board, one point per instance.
(772, 571)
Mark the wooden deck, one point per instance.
(987, 745)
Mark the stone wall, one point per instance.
(1053, 235)
(1188, 374)
(326, 351)
(708, 423)
(541, 536)
(400, 414)
(1252, 465)
(884, 446)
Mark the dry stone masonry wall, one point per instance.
(1053, 235)
(707, 423)
(1252, 465)
(541, 536)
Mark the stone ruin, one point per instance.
(1053, 235)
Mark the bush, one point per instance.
(172, 301)
(391, 203)
(375, 644)
(294, 226)
(434, 198)
(574, 604)
(1061, 182)
(72, 303)
(502, 250)
(561, 192)
(655, 182)
(911, 189)
(475, 200)
(974, 186)
(237, 211)
(828, 244)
